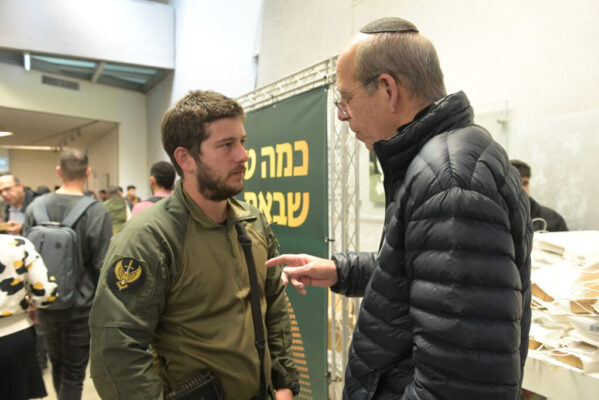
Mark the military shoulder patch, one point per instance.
(125, 275)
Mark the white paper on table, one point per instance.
(548, 336)
(586, 323)
(585, 337)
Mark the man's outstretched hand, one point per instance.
(304, 269)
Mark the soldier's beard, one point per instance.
(212, 186)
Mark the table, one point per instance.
(559, 381)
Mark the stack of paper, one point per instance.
(565, 297)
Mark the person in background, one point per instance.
(127, 201)
(117, 207)
(177, 279)
(162, 182)
(447, 294)
(17, 199)
(131, 196)
(102, 194)
(23, 280)
(67, 331)
(543, 218)
(42, 190)
(2, 205)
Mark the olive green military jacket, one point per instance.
(175, 280)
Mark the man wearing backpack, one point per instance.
(67, 329)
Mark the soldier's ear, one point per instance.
(185, 159)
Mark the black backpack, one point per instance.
(59, 247)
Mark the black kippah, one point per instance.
(389, 24)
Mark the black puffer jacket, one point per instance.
(446, 308)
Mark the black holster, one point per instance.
(202, 387)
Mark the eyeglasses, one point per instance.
(6, 189)
(341, 102)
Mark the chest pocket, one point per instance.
(214, 271)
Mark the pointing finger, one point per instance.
(293, 260)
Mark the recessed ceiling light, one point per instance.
(5, 133)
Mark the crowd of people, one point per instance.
(30, 331)
(184, 292)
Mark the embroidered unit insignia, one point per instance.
(126, 275)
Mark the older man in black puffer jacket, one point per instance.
(446, 309)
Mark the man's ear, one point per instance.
(152, 181)
(184, 159)
(392, 90)
(88, 171)
(59, 171)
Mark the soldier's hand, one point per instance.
(304, 269)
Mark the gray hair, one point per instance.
(407, 56)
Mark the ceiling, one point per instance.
(31, 128)
(124, 76)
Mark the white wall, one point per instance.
(539, 57)
(35, 167)
(130, 32)
(23, 90)
(103, 160)
(38, 167)
(299, 33)
(159, 100)
(214, 46)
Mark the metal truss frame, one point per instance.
(343, 199)
(308, 78)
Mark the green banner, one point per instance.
(287, 180)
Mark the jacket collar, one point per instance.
(237, 211)
(396, 153)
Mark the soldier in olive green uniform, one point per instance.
(175, 277)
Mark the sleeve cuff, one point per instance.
(293, 386)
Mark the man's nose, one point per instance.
(342, 116)
(242, 155)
